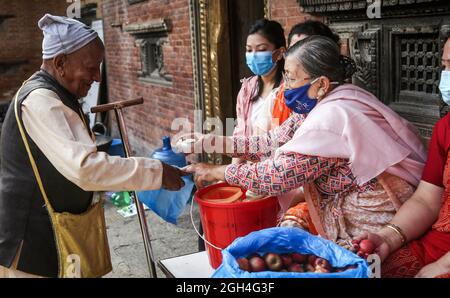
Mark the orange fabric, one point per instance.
(280, 109)
(300, 214)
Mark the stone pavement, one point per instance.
(127, 248)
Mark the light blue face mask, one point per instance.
(444, 86)
(260, 63)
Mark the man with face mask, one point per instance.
(417, 241)
(45, 123)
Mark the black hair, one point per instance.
(311, 28)
(320, 56)
(274, 33)
(316, 28)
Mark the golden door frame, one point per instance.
(209, 24)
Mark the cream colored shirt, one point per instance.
(261, 115)
(61, 135)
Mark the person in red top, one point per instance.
(417, 241)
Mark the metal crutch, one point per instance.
(117, 107)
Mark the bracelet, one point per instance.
(398, 231)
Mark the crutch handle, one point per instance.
(117, 105)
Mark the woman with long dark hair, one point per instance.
(266, 45)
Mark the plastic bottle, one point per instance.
(168, 156)
(121, 199)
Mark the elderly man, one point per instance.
(65, 152)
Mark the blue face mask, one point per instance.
(260, 63)
(444, 86)
(298, 100)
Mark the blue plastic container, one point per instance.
(116, 148)
(168, 156)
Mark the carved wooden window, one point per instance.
(418, 65)
(397, 55)
(415, 74)
(152, 60)
(150, 40)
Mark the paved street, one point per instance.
(127, 249)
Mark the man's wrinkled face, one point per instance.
(81, 68)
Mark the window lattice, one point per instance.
(152, 60)
(420, 64)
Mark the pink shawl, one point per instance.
(248, 89)
(353, 124)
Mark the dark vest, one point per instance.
(23, 215)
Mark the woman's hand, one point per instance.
(382, 247)
(189, 143)
(206, 173)
(433, 270)
(199, 143)
(438, 268)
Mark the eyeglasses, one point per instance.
(288, 83)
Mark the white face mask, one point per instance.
(444, 86)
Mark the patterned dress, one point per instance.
(345, 208)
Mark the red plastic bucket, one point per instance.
(224, 222)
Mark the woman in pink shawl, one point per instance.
(357, 160)
(265, 48)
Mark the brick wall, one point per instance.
(147, 124)
(21, 40)
(288, 13)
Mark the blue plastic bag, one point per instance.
(168, 204)
(288, 240)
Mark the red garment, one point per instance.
(410, 259)
(443, 222)
(407, 261)
(437, 155)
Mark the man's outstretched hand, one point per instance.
(171, 177)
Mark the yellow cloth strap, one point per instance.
(30, 155)
(86, 126)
